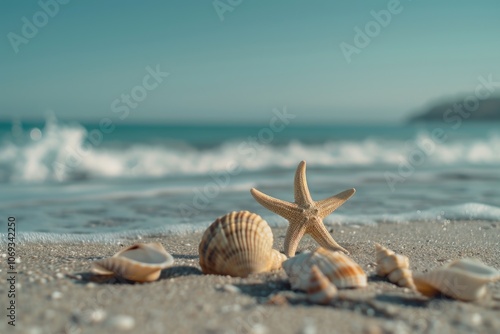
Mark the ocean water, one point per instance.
(80, 182)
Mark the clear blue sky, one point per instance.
(264, 54)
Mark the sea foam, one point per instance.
(464, 212)
(62, 153)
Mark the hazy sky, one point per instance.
(262, 55)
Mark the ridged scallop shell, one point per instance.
(463, 279)
(320, 290)
(238, 244)
(340, 269)
(393, 266)
(139, 262)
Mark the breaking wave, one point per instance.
(59, 153)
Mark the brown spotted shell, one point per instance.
(320, 290)
(339, 268)
(238, 244)
(139, 262)
(393, 266)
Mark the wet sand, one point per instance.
(56, 293)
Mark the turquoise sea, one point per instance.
(89, 181)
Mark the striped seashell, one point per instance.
(340, 269)
(320, 290)
(464, 279)
(238, 244)
(139, 262)
(393, 266)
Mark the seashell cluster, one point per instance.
(320, 290)
(139, 262)
(340, 269)
(238, 244)
(464, 279)
(393, 266)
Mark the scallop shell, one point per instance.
(139, 262)
(340, 269)
(393, 266)
(320, 290)
(463, 279)
(238, 244)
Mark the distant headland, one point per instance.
(471, 110)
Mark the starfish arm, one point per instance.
(302, 195)
(294, 233)
(285, 209)
(323, 237)
(330, 204)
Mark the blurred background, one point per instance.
(172, 110)
(259, 56)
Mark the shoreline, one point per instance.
(55, 292)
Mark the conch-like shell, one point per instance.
(320, 289)
(238, 244)
(340, 269)
(394, 266)
(463, 279)
(139, 262)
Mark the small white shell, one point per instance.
(320, 290)
(393, 266)
(238, 244)
(139, 262)
(463, 279)
(340, 269)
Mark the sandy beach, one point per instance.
(56, 293)
(129, 122)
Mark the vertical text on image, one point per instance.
(11, 271)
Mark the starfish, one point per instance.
(304, 216)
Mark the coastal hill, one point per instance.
(488, 110)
